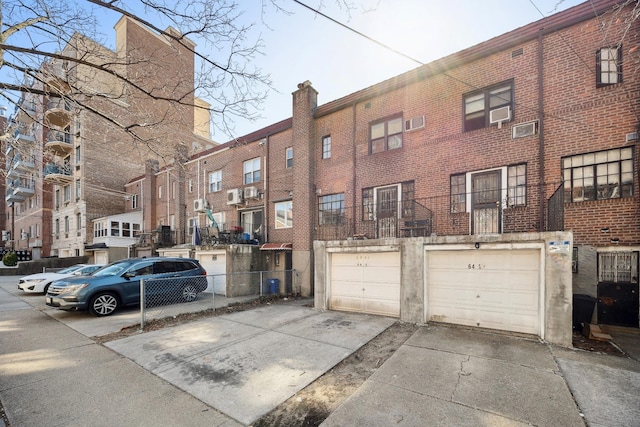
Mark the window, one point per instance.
(458, 193)
(57, 198)
(252, 171)
(37, 230)
(97, 229)
(331, 209)
(126, 229)
(608, 66)
(326, 147)
(66, 226)
(517, 185)
(136, 230)
(78, 154)
(115, 228)
(57, 228)
(289, 157)
(190, 186)
(134, 201)
(385, 135)
(173, 190)
(284, 214)
(79, 223)
(67, 193)
(160, 192)
(477, 105)
(78, 189)
(215, 181)
(598, 176)
(367, 204)
(193, 223)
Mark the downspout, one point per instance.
(541, 152)
(353, 168)
(265, 219)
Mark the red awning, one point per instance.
(276, 247)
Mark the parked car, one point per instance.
(39, 282)
(118, 284)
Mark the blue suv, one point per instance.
(118, 284)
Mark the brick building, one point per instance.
(73, 132)
(484, 188)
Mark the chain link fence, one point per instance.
(170, 297)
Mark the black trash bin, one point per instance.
(583, 306)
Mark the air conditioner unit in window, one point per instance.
(251, 193)
(524, 129)
(200, 205)
(499, 115)
(414, 123)
(234, 197)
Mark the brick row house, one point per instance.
(69, 156)
(485, 188)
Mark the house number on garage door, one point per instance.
(477, 266)
(362, 260)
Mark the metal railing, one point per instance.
(463, 214)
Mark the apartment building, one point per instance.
(79, 154)
(485, 188)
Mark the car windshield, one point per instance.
(111, 269)
(69, 269)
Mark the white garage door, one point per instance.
(101, 257)
(366, 283)
(497, 289)
(216, 266)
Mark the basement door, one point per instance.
(618, 301)
(365, 283)
(488, 288)
(485, 203)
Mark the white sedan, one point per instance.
(40, 282)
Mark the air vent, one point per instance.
(414, 123)
(517, 52)
(524, 129)
(633, 136)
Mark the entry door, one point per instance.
(485, 203)
(387, 211)
(618, 300)
(252, 223)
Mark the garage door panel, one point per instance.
(366, 282)
(491, 288)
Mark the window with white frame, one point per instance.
(608, 66)
(126, 229)
(289, 157)
(78, 189)
(57, 228)
(159, 191)
(215, 181)
(115, 229)
(191, 186)
(79, 223)
(284, 214)
(67, 193)
(193, 223)
(66, 226)
(134, 201)
(326, 147)
(385, 135)
(251, 169)
(173, 190)
(598, 176)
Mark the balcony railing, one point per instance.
(57, 174)
(436, 216)
(58, 112)
(58, 142)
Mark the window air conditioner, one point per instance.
(414, 123)
(234, 197)
(251, 193)
(200, 205)
(524, 129)
(499, 115)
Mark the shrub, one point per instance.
(10, 259)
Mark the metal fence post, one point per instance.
(142, 304)
(261, 283)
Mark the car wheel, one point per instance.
(46, 288)
(189, 293)
(103, 304)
